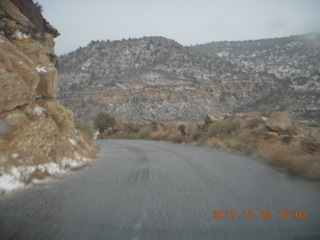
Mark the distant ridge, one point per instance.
(157, 79)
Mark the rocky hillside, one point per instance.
(157, 79)
(154, 79)
(293, 62)
(37, 135)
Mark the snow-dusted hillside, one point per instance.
(293, 61)
(157, 79)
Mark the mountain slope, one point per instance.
(154, 79)
(296, 58)
(294, 62)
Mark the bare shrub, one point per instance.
(279, 154)
(300, 164)
(313, 170)
(175, 138)
(215, 143)
(159, 135)
(222, 128)
(144, 132)
(62, 116)
(294, 158)
(85, 129)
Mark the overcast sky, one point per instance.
(188, 22)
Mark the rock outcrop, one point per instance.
(27, 63)
(37, 134)
(279, 122)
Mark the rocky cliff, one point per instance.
(157, 79)
(37, 136)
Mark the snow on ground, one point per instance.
(16, 177)
(10, 181)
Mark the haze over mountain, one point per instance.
(157, 79)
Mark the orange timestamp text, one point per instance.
(263, 214)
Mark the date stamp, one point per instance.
(263, 214)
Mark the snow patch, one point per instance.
(121, 86)
(20, 35)
(68, 162)
(95, 135)
(51, 168)
(85, 66)
(11, 181)
(223, 54)
(72, 141)
(41, 69)
(15, 155)
(39, 110)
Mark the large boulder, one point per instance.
(279, 122)
(211, 118)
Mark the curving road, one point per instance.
(155, 190)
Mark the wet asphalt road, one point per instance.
(154, 190)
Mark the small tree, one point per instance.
(38, 7)
(103, 121)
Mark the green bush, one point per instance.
(144, 132)
(85, 128)
(103, 120)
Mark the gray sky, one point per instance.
(186, 21)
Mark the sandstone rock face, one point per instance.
(27, 59)
(18, 79)
(37, 134)
(10, 10)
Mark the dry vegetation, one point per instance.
(41, 133)
(276, 139)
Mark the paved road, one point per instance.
(154, 190)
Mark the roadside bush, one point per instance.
(144, 132)
(159, 135)
(103, 120)
(85, 129)
(294, 158)
(175, 138)
(222, 128)
(62, 116)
